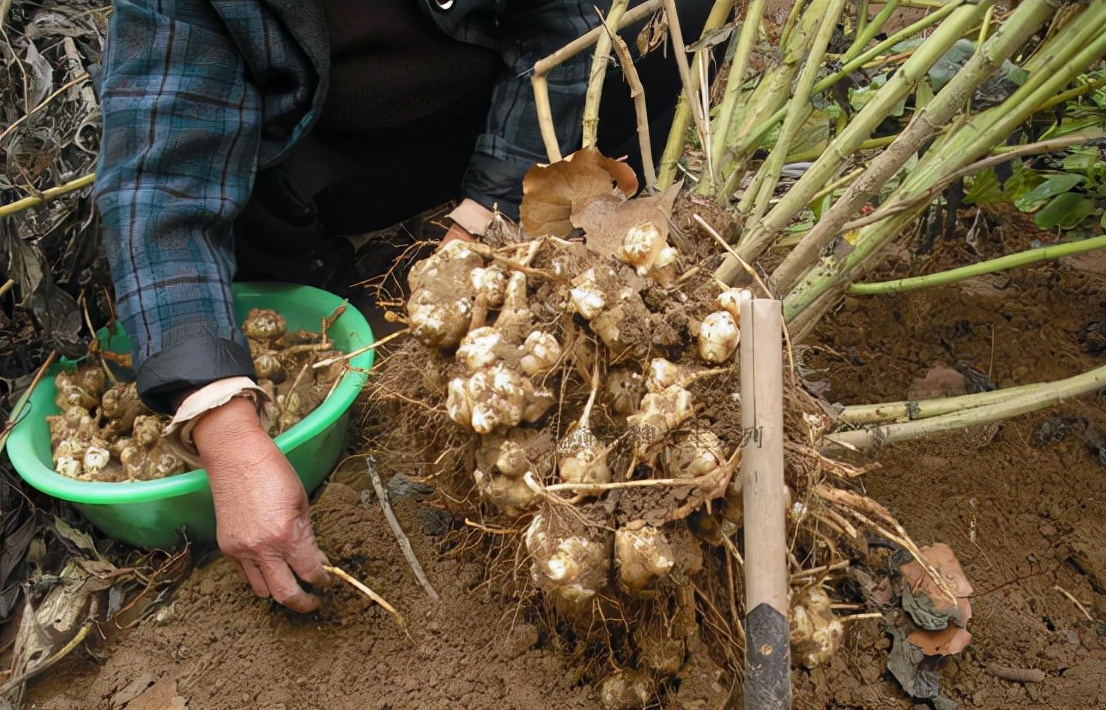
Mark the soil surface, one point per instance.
(1022, 506)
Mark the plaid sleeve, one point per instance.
(178, 155)
(512, 141)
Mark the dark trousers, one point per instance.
(340, 182)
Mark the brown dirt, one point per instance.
(217, 646)
(1025, 521)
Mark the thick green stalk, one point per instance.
(774, 89)
(945, 105)
(1010, 261)
(1029, 401)
(860, 414)
(755, 138)
(750, 29)
(870, 30)
(860, 128)
(971, 140)
(756, 199)
(677, 135)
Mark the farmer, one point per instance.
(256, 135)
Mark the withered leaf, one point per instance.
(606, 219)
(945, 642)
(550, 193)
(944, 561)
(653, 34)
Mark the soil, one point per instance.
(1022, 507)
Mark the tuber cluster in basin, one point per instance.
(106, 434)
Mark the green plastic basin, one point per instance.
(155, 513)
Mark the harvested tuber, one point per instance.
(568, 561)
(642, 556)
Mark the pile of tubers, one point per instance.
(515, 324)
(104, 432)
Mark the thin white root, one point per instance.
(364, 589)
(359, 351)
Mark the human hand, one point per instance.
(261, 508)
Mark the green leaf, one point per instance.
(1065, 211)
(984, 189)
(1052, 186)
(1082, 161)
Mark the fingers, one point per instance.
(285, 590)
(305, 558)
(255, 578)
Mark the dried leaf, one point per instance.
(22, 262)
(606, 219)
(52, 623)
(78, 537)
(944, 561)
(550, 193)
(40, 81)
(653, 34)
(945, 642)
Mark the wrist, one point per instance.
(229, 422)
(470, 216)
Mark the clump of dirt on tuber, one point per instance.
(104, 432)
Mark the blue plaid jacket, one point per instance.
(197, 95)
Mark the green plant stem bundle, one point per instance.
(1016, 401)
(859, 129)
(757, 198)
(1081, 43)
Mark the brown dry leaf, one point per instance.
(653, 34)
(550, 193)
(939, 381)
(944, 561)
(606, 219)
(945, 642)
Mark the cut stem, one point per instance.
(544, 66)
(641, 111)
(1010, 261)
(1011, 406)
(599, 62)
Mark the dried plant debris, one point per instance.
(49, 136)
(926, 623)
(75, 591)
(104, 432)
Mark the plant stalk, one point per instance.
(756, 137)
(1038, 397)
(674, 147)
(973, 138)
(47, 195)
(756, 199)
(750, 29)
(599, 63)
(859, 129)
(772, 94)
(1010, 261)
(870, 30)
(544, 66)
(924, 125)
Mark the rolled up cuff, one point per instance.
(178, 433)
(189, 365)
